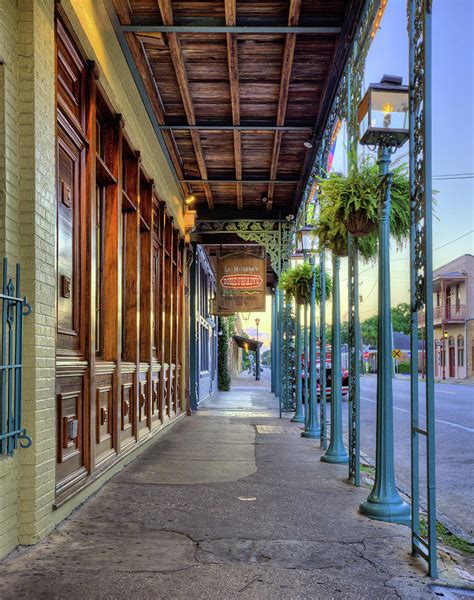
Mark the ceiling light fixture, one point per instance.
(308, 144)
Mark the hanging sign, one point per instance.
(241, 283)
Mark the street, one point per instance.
(454, 443)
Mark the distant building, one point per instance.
(453, 318)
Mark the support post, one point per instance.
(276, 366)
(322, 349)
(421, 272)
(306, 365)
(336, 452)
(312, 430)
(272, 353)
(384, 502)
(299, 415)
(354, 362)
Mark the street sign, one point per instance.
(397, 354)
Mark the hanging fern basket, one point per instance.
(359, 224)
(300, 298)
(339, 248)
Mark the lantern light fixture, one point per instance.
(383, 113)
(296, 258)
(306, 240)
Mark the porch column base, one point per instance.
(335, 458)
(391, 512)
(312, 433)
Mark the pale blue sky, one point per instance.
(453, 134)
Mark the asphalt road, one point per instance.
(454, 443)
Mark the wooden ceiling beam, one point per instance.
(177, 58)
(243, 29)
(287, 65)
(233, 64)
(243, 181)
(244, 128)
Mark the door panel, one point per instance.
(70, 157)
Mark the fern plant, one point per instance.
(351, 204)
(296, 283)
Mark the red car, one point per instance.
(344, 377)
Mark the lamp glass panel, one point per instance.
(389, 109)
(309, 240)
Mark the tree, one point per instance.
(368, 330)
(400, 321)
(401, 318)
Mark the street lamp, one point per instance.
(383, 124)
(306, 242)
(445, 339)
(257, 354)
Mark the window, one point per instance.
(437, 298)
(460, 350)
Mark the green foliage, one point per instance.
(223, 341)
(400, 320)
(368, 330)
(344, 333)
(447, 537)
(296, 282)
(403, 367)
(341, 197)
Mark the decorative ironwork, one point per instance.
(421, 269)
(287, 353)
(275, 236)
(354, 362)
(14, 308)
(322, 349)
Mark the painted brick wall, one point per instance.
(8, 233)
(27, 234)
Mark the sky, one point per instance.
(453, 143)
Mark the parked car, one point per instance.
(344, 379)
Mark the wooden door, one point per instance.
(452, 364)
(71, 365)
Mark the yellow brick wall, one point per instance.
(8, 233)
(27, 234)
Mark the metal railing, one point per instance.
(13, 309)
(456, 312)
(452, 312)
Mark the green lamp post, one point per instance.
(383, 124)
(306, 243)
(336, 453)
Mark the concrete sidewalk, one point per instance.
(231, 503)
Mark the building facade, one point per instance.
(453, 318)
(91, 210)
(203, 341)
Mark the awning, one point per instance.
(246, 343)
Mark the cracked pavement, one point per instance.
(216, 510)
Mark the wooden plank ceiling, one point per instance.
(235, 107)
